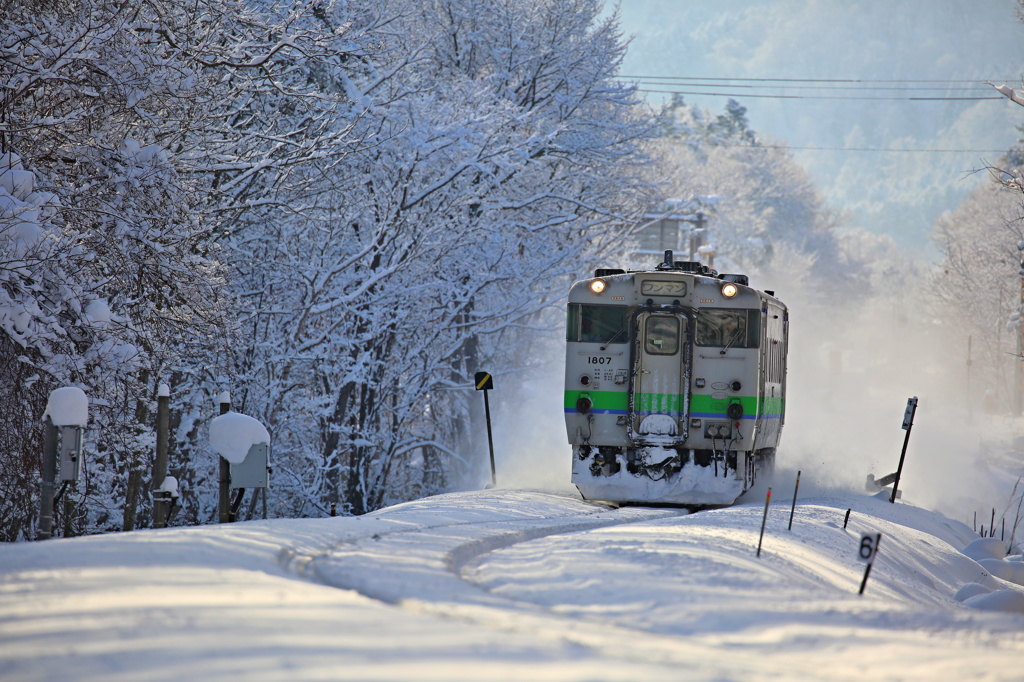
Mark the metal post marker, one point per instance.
(484, 382)
(868, 551)
(767, 499)
(908, 423)
(793, 508)
(49, 478)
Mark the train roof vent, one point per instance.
(737, 279)
(608, 272)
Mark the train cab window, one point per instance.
(596, 323)
(732, 328)
(661, 335)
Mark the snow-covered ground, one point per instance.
(506, 584)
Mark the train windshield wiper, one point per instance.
(734, 339)
(616, 335)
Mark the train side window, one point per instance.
(661, 335)
(596, 323)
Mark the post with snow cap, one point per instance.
(244, 444)
(67, 409)
(164, 491)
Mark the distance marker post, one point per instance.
(484, 382)
(793, 508)
(764, 520)
(908, 423)
(867, 551)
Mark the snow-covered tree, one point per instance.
(105, 268)
(977, 284)
(769, 211)
(396, 191)
(496, 149)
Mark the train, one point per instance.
(675, 384)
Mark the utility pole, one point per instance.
(970, 402)
(161, 501)
(224, 498)
(1018, 402)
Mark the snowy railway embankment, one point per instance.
(519, 585)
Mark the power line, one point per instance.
(953, 89)
(805, 96)
(868, 149)
(910, 86)
(979, 87)
(813, 80)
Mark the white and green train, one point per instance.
(675, 384)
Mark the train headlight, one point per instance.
(735, 411)
(597, 286)
(584, 404)
(729, 290)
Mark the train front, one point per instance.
(665, 384)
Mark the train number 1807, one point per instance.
(598, 360)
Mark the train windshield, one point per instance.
(596, 323)
(732, 328)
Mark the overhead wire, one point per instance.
(811, 80)
(867, 149)
(826, 97)
(954, 89)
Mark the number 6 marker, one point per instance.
(866, 553)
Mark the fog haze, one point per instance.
(898, 193)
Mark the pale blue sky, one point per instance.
(869, 40)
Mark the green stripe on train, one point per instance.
(670, 402)
(704, 404)
(602, 400)
(665, 403)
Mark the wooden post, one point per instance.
(161, 504)
(224, 498)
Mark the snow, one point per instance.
(232, 434)
(17, 183)
(506, 584)
(169, 485)
(163, 391)
(1009, 92)
(67, 406)
(659, 424)
(98, 311)
(693, 485)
